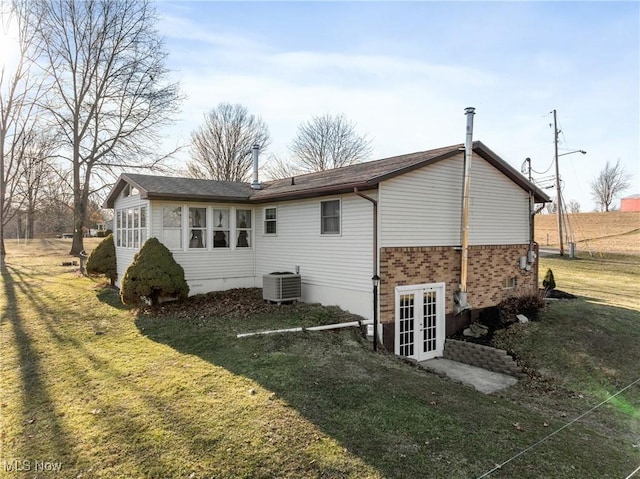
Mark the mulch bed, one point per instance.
(232, 303)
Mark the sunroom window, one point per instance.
(198, 227)
(220, 228)
(172, 227)
(243, 228)
(131, 227)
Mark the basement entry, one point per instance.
(420, 326)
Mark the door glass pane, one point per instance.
(429, 321)
(407, 322)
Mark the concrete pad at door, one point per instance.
(483, 380)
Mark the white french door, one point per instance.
(420, 327)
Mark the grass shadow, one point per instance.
(375, 405)
(39, 418)
(110, 295)
(80, 360)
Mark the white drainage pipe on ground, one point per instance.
(326, 327)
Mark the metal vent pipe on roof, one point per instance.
(255, 184)
(461, 297)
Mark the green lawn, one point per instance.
(104, 392)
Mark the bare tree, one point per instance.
(37, 162)
(55, 212)
(327, 142)
(20, 118)
(573, 206)
(110, 93)
(611, 181)
(221, 146)
(276, 168)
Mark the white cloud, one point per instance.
(409, 104)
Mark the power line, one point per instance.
(545, 171)
(632, 473)
(515, 456)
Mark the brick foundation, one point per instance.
(488, 267)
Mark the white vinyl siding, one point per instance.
(341, 261)
(423, 207)
(499, 208)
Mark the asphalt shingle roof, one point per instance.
(364, 175)
(339, 180)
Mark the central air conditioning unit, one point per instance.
(279, 287)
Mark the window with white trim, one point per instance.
(131, 227)
(330, 217)
(270, 221)
(118, 225)
(143, 225)
(243, 228)
(220, 228)
(197, 227)
(172, 227)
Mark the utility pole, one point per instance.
(558, 193)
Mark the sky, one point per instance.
(404, 72)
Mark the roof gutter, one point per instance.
(199, 198)
(312, 192)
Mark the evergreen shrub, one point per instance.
(153, 274)
(103, 260)
(549, 281)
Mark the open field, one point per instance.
(615, 231)
(100, 391)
